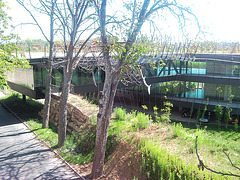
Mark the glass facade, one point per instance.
(35, 78)
(218, 68)
(194, 90)
(80, 77)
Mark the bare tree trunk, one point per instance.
(62, 124)
(104, 116)
(47, 102)
(45, 122)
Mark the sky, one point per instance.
(219, 20)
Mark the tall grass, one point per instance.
(178, 130)
(133, 121)
(159, 164)
(120, 113)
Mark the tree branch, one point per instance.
(23, 5)
(202, 165)
(230, 160)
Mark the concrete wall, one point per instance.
(22, 77)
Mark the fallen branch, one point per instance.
(202, 165)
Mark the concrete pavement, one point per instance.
(23, 157)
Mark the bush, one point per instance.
(165, 117)
(120, 114)
(143, 120)
(178, 130)
(218, 114)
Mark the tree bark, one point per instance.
(62, 124)
(104, 116)
(106, 101)
(45, 122)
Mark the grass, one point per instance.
(25, 110)
(28, 111)
(168, 150)
(162, 143)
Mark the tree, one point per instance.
(47, 101)
(228, 109)
(7, 45)
(72, 18)
(218, 110)
(141, 12)
(46, 7)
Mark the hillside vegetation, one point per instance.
(139, 148)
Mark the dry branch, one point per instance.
(203, 166)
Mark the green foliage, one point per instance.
(30, 41)
(218, 110)
(141, 121)
(120, 113)
(205, 109)
(144, 107)
(133, 54)
(227, 115)
(219, 90)
(165, 117)
(7, 61)
(231, 96)
(155, 110)
(159, 164)
(236, 125)
(133, 121)
(178, 130)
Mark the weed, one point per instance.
(178, 130)
(120, 114)
(166, 112)
(155, 110)
(144, 107)
(205, 109)
(141, 121)
(236, 125)
(227, 115)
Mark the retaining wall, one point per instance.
(75, 116)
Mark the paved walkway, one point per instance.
(23, 157)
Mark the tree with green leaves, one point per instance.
(139, 11)
(228, 109)
(8, 61)
(218, 110)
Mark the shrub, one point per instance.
(178, 130)
(227, 115)
(218, 114)
(166, 112)
(120, 114)
(141, 121)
